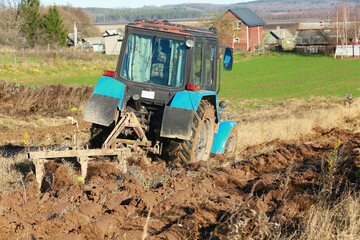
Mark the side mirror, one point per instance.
(228, 59)
(222, 104)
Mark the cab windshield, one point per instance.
(154, 60)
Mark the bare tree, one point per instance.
(224, 26)
(10, 23)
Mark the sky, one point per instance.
(130, 3)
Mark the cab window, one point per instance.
(209, 64)
(197, 64)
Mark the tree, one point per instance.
(10, 23)
(84, 22)
(224, 26)
(32, 21)
(52, 24)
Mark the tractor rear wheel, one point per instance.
(98, 135)
(201, 138)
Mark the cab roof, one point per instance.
(165, 26)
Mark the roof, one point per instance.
(165, 26)
(110, 32)
(281, 33)
(315, 37)
(95, 40)
(71, 37)
(315, 33)
(316, 26)
(248, 17)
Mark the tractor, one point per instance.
(162, 98)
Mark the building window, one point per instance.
(236, 40)
(237, 25)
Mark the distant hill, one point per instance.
(268, 9)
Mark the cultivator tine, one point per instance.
(84, 165)
(39, 170)
(122, 162)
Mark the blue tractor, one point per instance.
(162, 98)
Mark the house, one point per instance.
(279, 39)
(110, 42)
(113, 40)
(316, 37)
(113, 44)
(95, 43)
(247, 29)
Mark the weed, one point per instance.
(72, 109)
(152, 181)
(332, 158)
(26, 140)
(78, 180)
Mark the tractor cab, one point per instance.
(159, 59)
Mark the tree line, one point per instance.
(128, 15)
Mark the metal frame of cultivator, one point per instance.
(112, 146)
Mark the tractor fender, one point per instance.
(191, 100)
(178, 117)
(104, 100)
(221, 136)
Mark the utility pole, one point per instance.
(75, 35)
(337, 27)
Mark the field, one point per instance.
(275, 76)
(291, 76)
(71, 68)
(293, 176)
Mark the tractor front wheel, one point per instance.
(201, 138)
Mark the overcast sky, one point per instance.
(130, 3)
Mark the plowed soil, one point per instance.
(260, 192)
(263, 191)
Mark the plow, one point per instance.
(121, 149)
(162, 99)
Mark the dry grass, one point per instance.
(53, 100)
(12, 169)
(264, 121)
(340, 220)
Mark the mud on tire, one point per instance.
(230, 145)
(202, 135)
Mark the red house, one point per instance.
(247, 29)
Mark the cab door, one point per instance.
(204, 67)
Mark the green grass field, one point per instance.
(266, 76)
(36, 71)
(290, 76)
